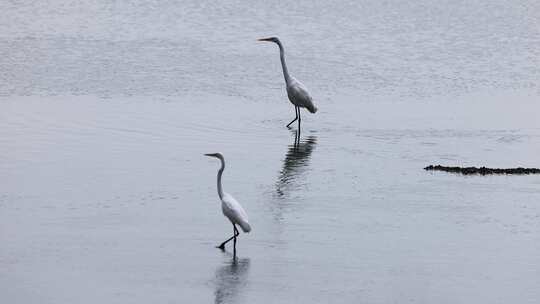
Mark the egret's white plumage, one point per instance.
(234, 212)
(231, 208)
(296, 91)
(299, 95)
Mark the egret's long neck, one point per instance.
(220, 172)
(283, 64)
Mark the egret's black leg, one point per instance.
(299, 118)
(296, 111)
(222, 246)
(235, 234)
(299, 129)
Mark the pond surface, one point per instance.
(108, 107)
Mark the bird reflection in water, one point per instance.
(231, 277)
(295, 163)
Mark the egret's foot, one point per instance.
(222, 247)
(288, 125)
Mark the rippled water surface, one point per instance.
(108, 106)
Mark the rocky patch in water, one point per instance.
(483, 170)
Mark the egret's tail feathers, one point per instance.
(245, 226)
(311, 107)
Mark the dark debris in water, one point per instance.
(483, 170)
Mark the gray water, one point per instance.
(108, 106)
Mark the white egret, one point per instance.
(231, 208)
(296, 91)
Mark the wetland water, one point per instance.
(108, 108)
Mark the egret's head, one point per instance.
(270, 39)
(216, 155)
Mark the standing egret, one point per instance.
(230, 207)
(297, 92)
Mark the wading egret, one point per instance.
(297, 92)
(230, 207)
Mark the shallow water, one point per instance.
(107, 110)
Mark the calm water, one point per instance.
(108, 107)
